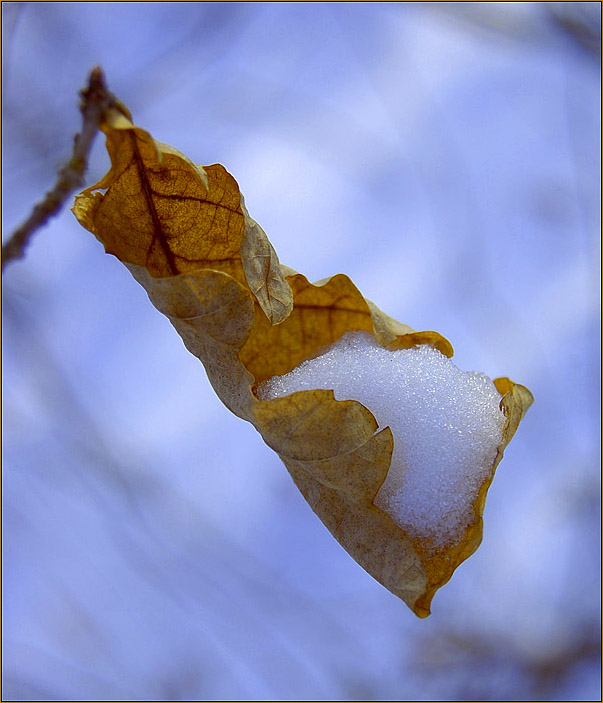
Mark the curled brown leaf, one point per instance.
(184, 233)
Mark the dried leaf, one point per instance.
(264, 275)
(184, 233)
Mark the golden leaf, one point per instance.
(184, 233)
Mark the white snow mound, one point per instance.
(446, 423)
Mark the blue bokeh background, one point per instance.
(446, 156)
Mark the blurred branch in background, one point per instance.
(10, 19)
(96, 99)
(581, 22)
(578, 21)
(477, 666)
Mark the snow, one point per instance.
(446, 424)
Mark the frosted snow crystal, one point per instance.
(446, 424)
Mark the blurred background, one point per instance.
(446, 156)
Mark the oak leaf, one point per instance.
(184, 233)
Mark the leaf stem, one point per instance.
(95, 101)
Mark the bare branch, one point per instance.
(95, 101)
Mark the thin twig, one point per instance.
(96, 100)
